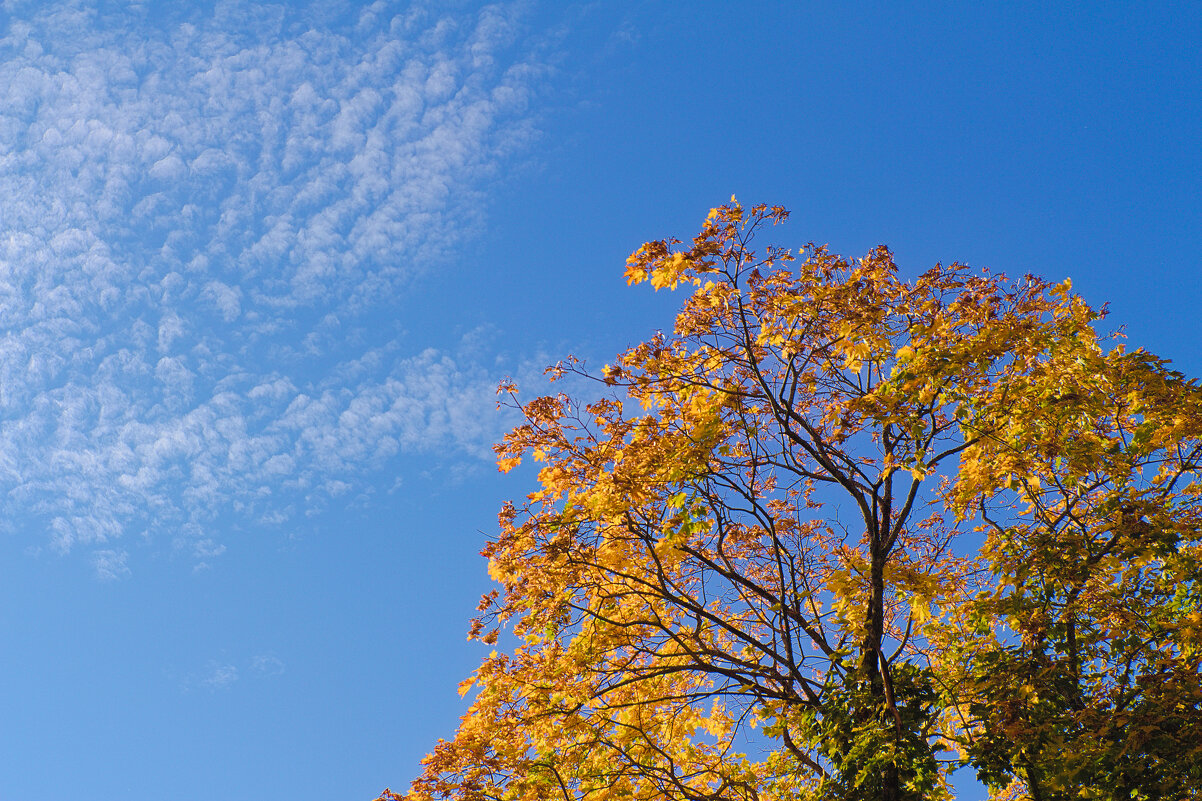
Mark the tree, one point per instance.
(753, 569)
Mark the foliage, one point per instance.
(1085, 680)
(754, 569)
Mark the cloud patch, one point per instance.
(110, 565)
(196, 207)
(219, 676)
(266, 665)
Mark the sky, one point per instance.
(263, 265)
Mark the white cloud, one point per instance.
(266, 665)
(110, 565)
(219, 676)
(226, 299)
(193, 213)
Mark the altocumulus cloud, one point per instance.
(199, 208)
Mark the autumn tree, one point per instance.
(835, 533)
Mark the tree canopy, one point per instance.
(837, 534)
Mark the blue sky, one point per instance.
(263, 265)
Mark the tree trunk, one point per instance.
(871, 659)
